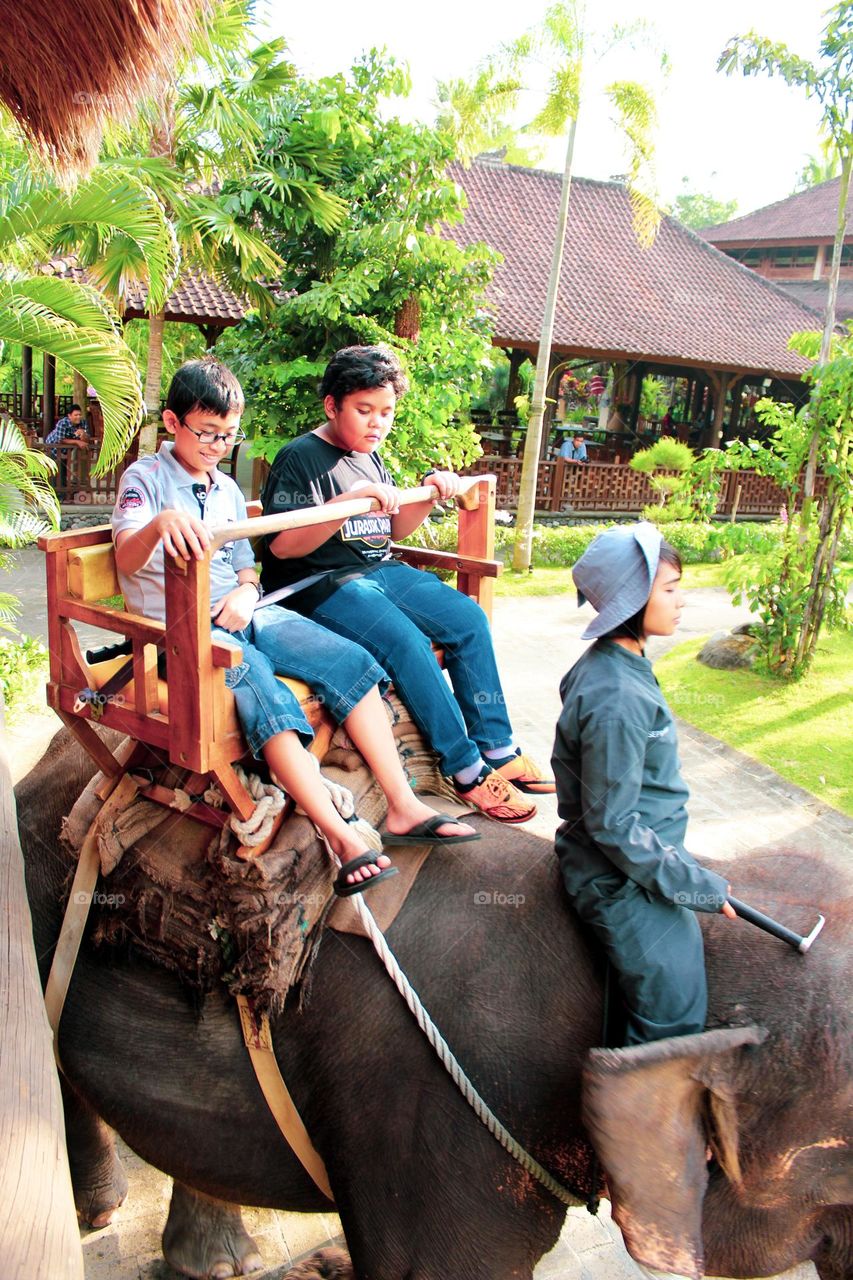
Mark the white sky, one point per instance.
(734, 138)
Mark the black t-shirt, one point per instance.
(306, 473)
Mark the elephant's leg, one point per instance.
(205, 1238)
(97, 1174)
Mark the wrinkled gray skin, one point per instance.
(422, 1188)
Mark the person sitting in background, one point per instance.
(70, 430)
(574, 450)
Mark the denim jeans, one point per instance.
(279, 642)
(396, 612)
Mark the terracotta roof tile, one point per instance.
(680, 302)
(812, 293)
(808, 215)
(196, 299)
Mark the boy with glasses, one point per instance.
(167, 504)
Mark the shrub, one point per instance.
(697, 542)
(23, 668)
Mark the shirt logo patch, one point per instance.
(374, 530)
(659, 733)
(130, 499)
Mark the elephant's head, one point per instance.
(652, 1111)
(783, 1185)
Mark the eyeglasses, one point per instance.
(213, 437)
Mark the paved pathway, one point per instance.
(537, 640)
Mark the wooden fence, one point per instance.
(73, 479)
(606, 488)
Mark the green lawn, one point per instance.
(555, 581)
(802, 730)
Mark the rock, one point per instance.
(747, 629)
(727, 652)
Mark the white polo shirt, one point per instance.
(160, 483)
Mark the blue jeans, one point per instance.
(396, 612)
(279, 642)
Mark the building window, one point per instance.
(749, 257)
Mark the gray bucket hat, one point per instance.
(615, 574)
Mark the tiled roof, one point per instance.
(808, 215)
(196, 299)
(813, 294)
(679, 302)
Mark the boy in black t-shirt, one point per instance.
(394, 611)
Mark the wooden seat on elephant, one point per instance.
(189, 717)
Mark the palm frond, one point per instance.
(10, 607)
(636, 116)
(77, 302)
(113, 198)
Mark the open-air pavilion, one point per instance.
(680, 309)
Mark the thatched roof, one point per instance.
(70, 65)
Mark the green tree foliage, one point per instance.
(688, 483)
(701, 209)
(474, 114)
(820, 168)
(795, 587)
(385, 274)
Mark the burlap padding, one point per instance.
(176, 890)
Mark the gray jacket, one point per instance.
(620, 794)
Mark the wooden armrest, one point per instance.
(422, 558)
(75, 538)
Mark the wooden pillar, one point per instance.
(550, 404)
(639, 373)
(615, 423)
(48, 394)
(39, 1238)
(730, 431)
(26, 382)
(720, 383)
(513, 386)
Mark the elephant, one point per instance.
(489, 941)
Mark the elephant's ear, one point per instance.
(643, 1109)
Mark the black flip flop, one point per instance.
(427, 833)
(342, 886)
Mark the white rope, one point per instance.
(270, 799)
(446, 1057)
(269, 802)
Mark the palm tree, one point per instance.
(561, 42)
(61, 317)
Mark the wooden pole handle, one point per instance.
(335, 511)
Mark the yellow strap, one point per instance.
(258, 1040)
(77, 911)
